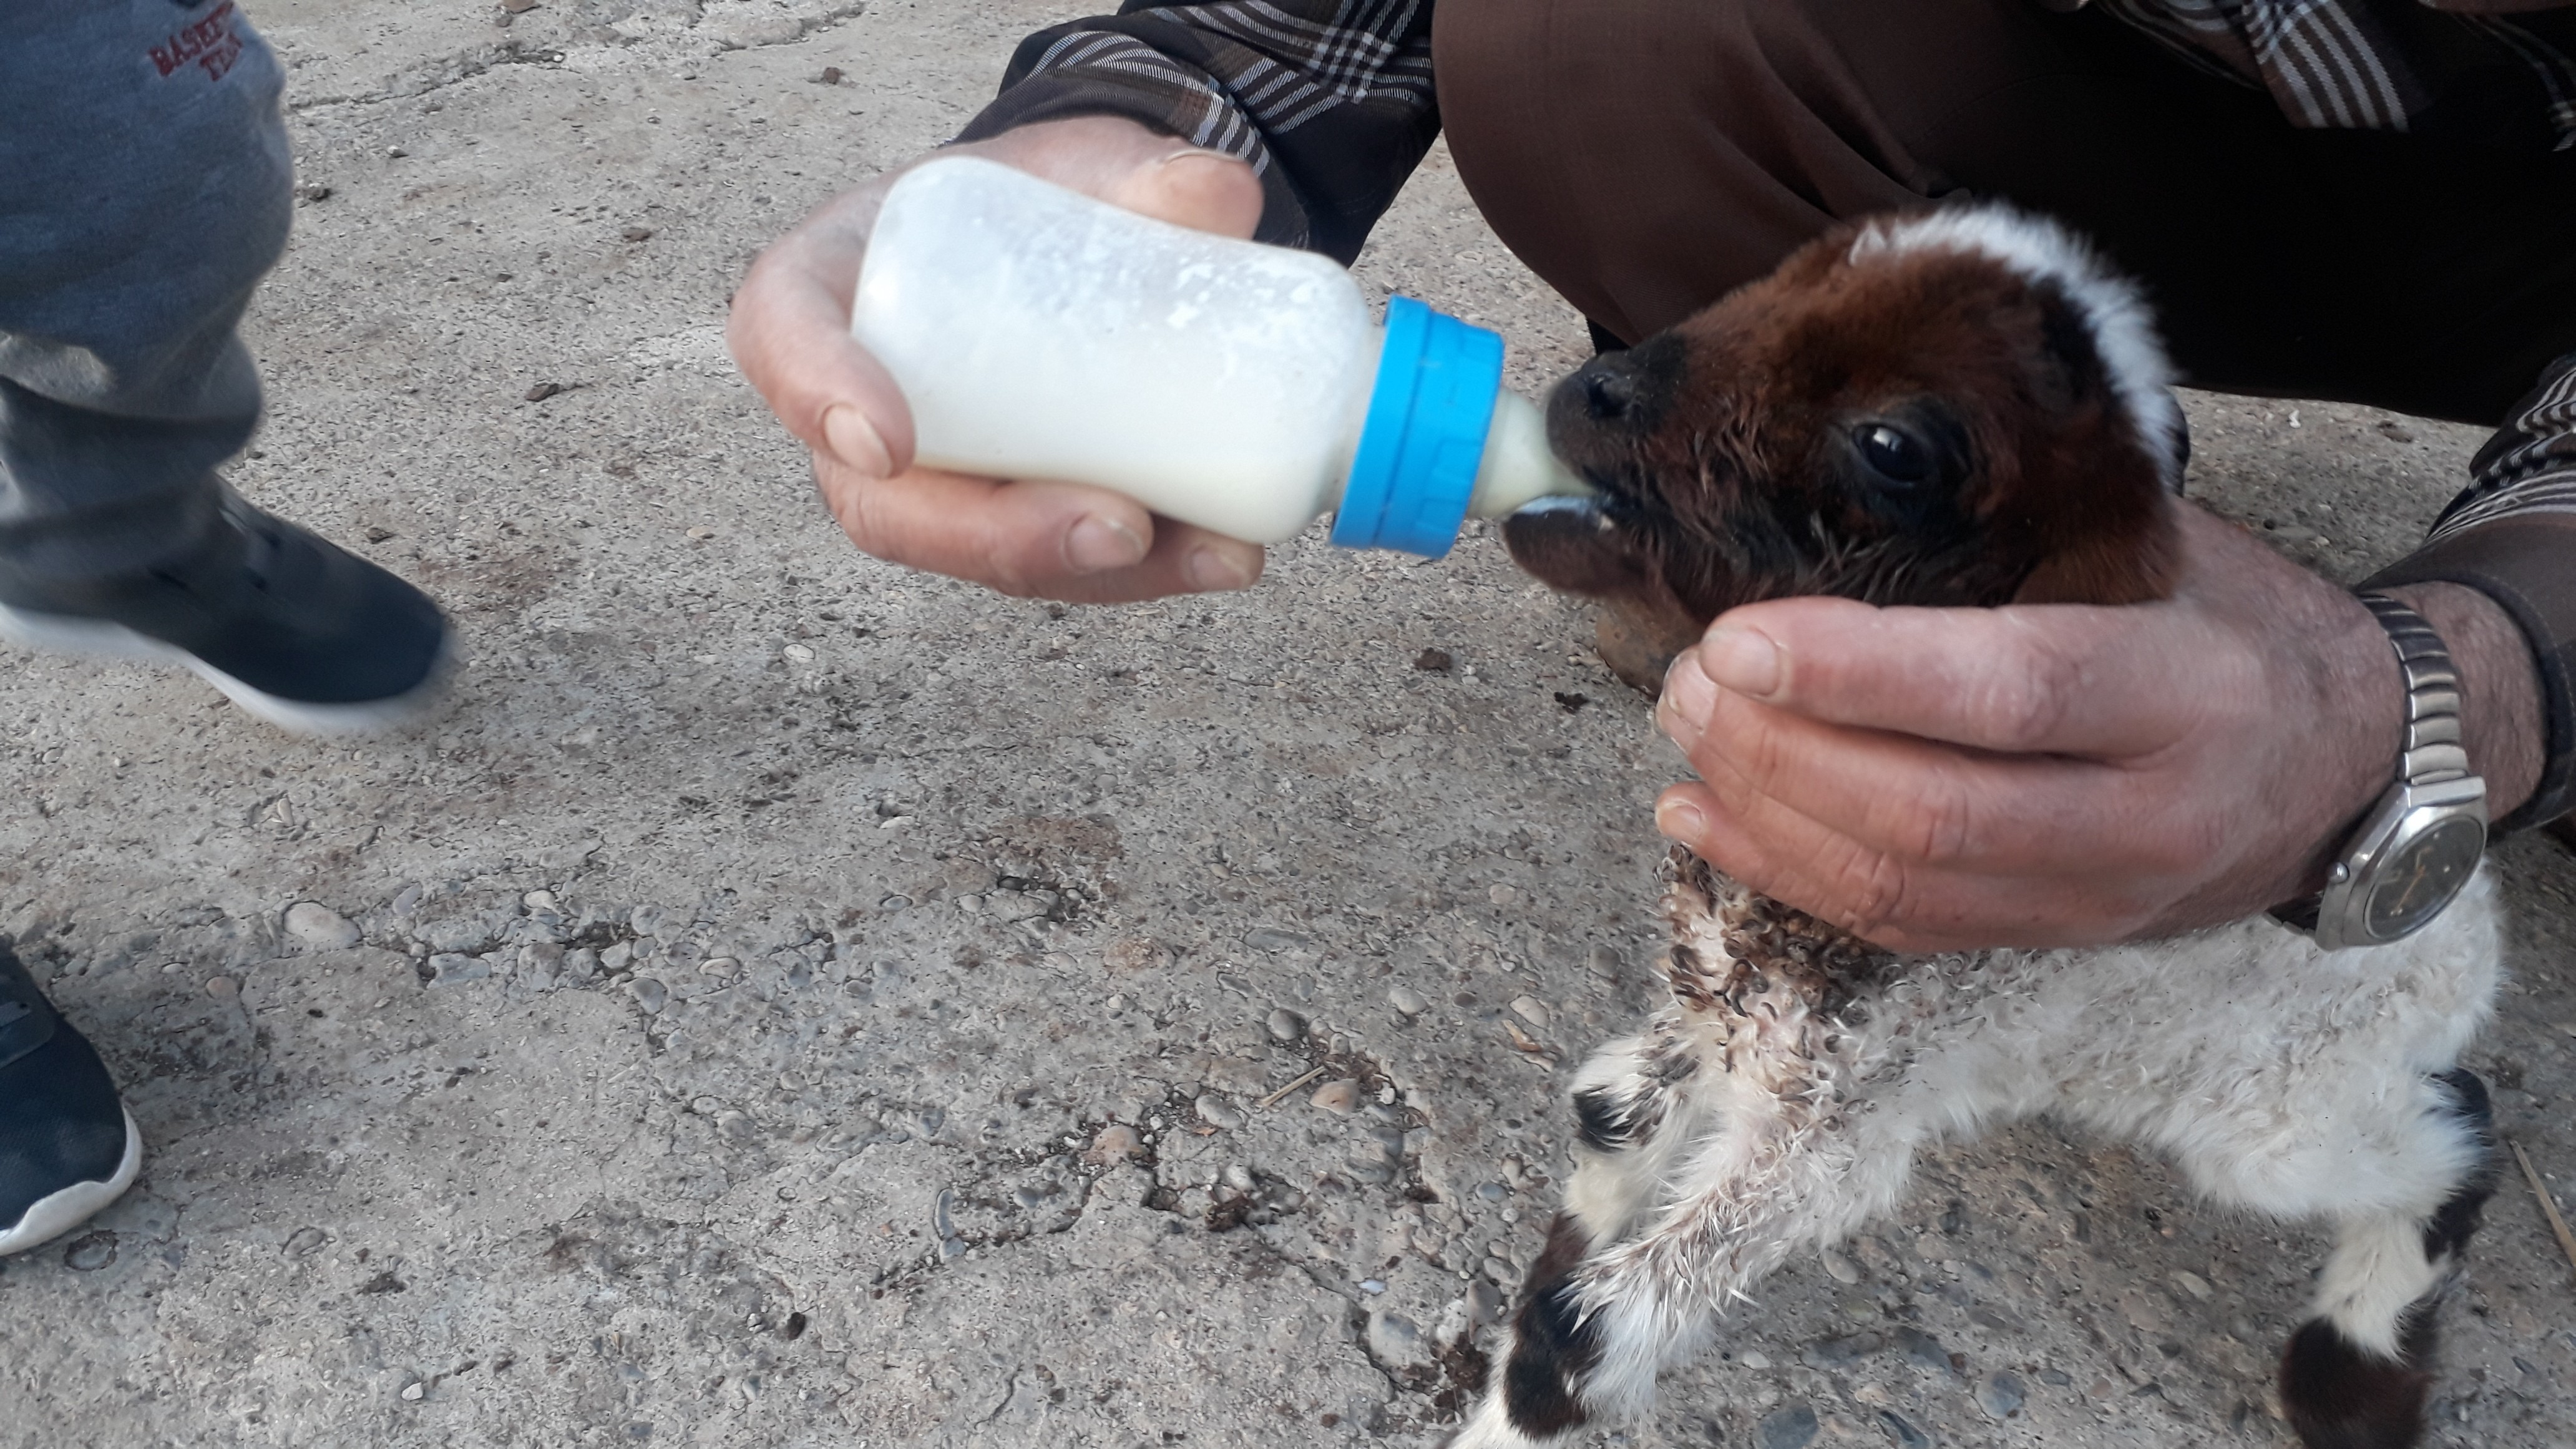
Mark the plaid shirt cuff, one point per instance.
(1329, 101)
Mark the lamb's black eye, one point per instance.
(1893, 454)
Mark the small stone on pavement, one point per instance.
(1395, 1342)
(1116, 1143)
(2000, 1395)
(1788, 1428)
(319, 927)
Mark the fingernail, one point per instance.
(856, 443)
(1099, 544)
(1688, 695)
(1743, 660)
(1678, 821)
(1197, 155)
(1211, 571)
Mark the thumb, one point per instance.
(1204, 190)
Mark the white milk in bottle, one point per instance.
(1038, 333)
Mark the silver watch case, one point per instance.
(2405, 863)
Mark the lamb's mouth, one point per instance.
(1588, 506)
(1619, 506)
(1622, 499)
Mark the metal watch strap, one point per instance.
(2433, 751)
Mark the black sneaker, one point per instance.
(67, 1145)
(289, 627)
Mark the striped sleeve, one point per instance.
(1329, 100)
(2496, 71)
(2511, 534)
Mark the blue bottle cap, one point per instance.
(1429, 411)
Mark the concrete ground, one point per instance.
(791, 1002)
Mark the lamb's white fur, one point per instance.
(2284, 1080)
(2377, 1271)
(2124, 330)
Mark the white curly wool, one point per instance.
(1752, 1121)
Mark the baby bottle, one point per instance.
(1038, 333)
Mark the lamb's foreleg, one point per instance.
(1637, 1117)
(1761, 1176)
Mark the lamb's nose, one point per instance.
(1609, 390)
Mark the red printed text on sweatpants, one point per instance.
(212, 43)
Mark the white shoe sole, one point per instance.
(59, 1213)
(100, 639)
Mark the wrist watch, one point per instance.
(2420, 843)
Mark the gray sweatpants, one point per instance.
(144, 190)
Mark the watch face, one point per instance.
(2421, 876)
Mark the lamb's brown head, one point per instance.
(1958, 408)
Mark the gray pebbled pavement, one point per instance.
(790, 1002)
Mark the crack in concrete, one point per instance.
(439, 74)
(1440, 1394)
(805, 26)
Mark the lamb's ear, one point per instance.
(2110, 532)
(1579, 551)
(2131, 564)
(2104, 350)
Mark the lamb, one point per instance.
(1959, 408)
